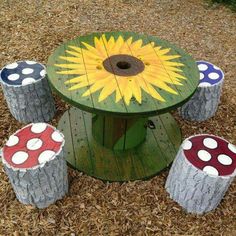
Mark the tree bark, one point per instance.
(203, 104)
(193, 189)
(41, 186)
(31, 102)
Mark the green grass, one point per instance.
(230, 3)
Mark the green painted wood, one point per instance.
(108, 106)
(118, 133)
(142, 162)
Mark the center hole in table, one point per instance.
(123, 65)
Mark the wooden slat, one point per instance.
(109, 106)
(142, 162)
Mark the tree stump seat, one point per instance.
(34, 161)
(201, 173)
(27, 92)
(204, 103)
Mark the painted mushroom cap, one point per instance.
(211, 154)
(209, 74)
(32, 146)
(21, 73)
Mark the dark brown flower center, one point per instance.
(123, 65)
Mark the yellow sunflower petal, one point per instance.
(92, 50)
(100, 46)
(122, 84)
(107, 90)
(119, 43)
(74, 53)
(127, 95)
(80, 85)
(161, 52)
(75, 48)
(136, 91)
(136, 45)
(72, 59)
(160, 84)
(110, 45)
(68, 66)
(96, 86)
(150, 90)
(171, 63)
(77, 79)
(72, 72)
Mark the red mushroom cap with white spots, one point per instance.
(32, 146)
(211, 154)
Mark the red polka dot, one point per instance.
(25, 154)
(211, 151)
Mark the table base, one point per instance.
(144, 161)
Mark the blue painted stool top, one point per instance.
(209, 74)
(21, 73)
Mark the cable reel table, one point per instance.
(122, 86)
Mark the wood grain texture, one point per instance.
(203, 104)
(42, 186)
(142, 162)
(30, 103)
(149, 105)
(193, 189)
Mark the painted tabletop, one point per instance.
(122, 73)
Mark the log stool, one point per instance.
(27, 91)
(34, 162)
(204, 102)
(201, 173)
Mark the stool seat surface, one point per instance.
(210, 153)
(32, 146)
(209, 74)
(22, 73)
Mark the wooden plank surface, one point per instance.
(72, 54)
(144, 161)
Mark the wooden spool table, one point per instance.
(122, 79)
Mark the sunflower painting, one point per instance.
(124, 67)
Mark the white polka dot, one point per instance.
(204, 155)
(224, 159)
(210, 143)
(57, 137)
(46, 156)
(216, 67)
(187, 145)
(13, 77)
(213, 75)
(232, 148)
(12, 66)
(34, 144)
(202, 67)
(204, 84)
(31, 62)
(19, 157)
(201, 76)
(27, 71)
(12, 141)
(211, 170)
(28, 81)
(38, 127)
(42, 73)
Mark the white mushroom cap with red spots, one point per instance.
(211, 154)
(32, 146)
